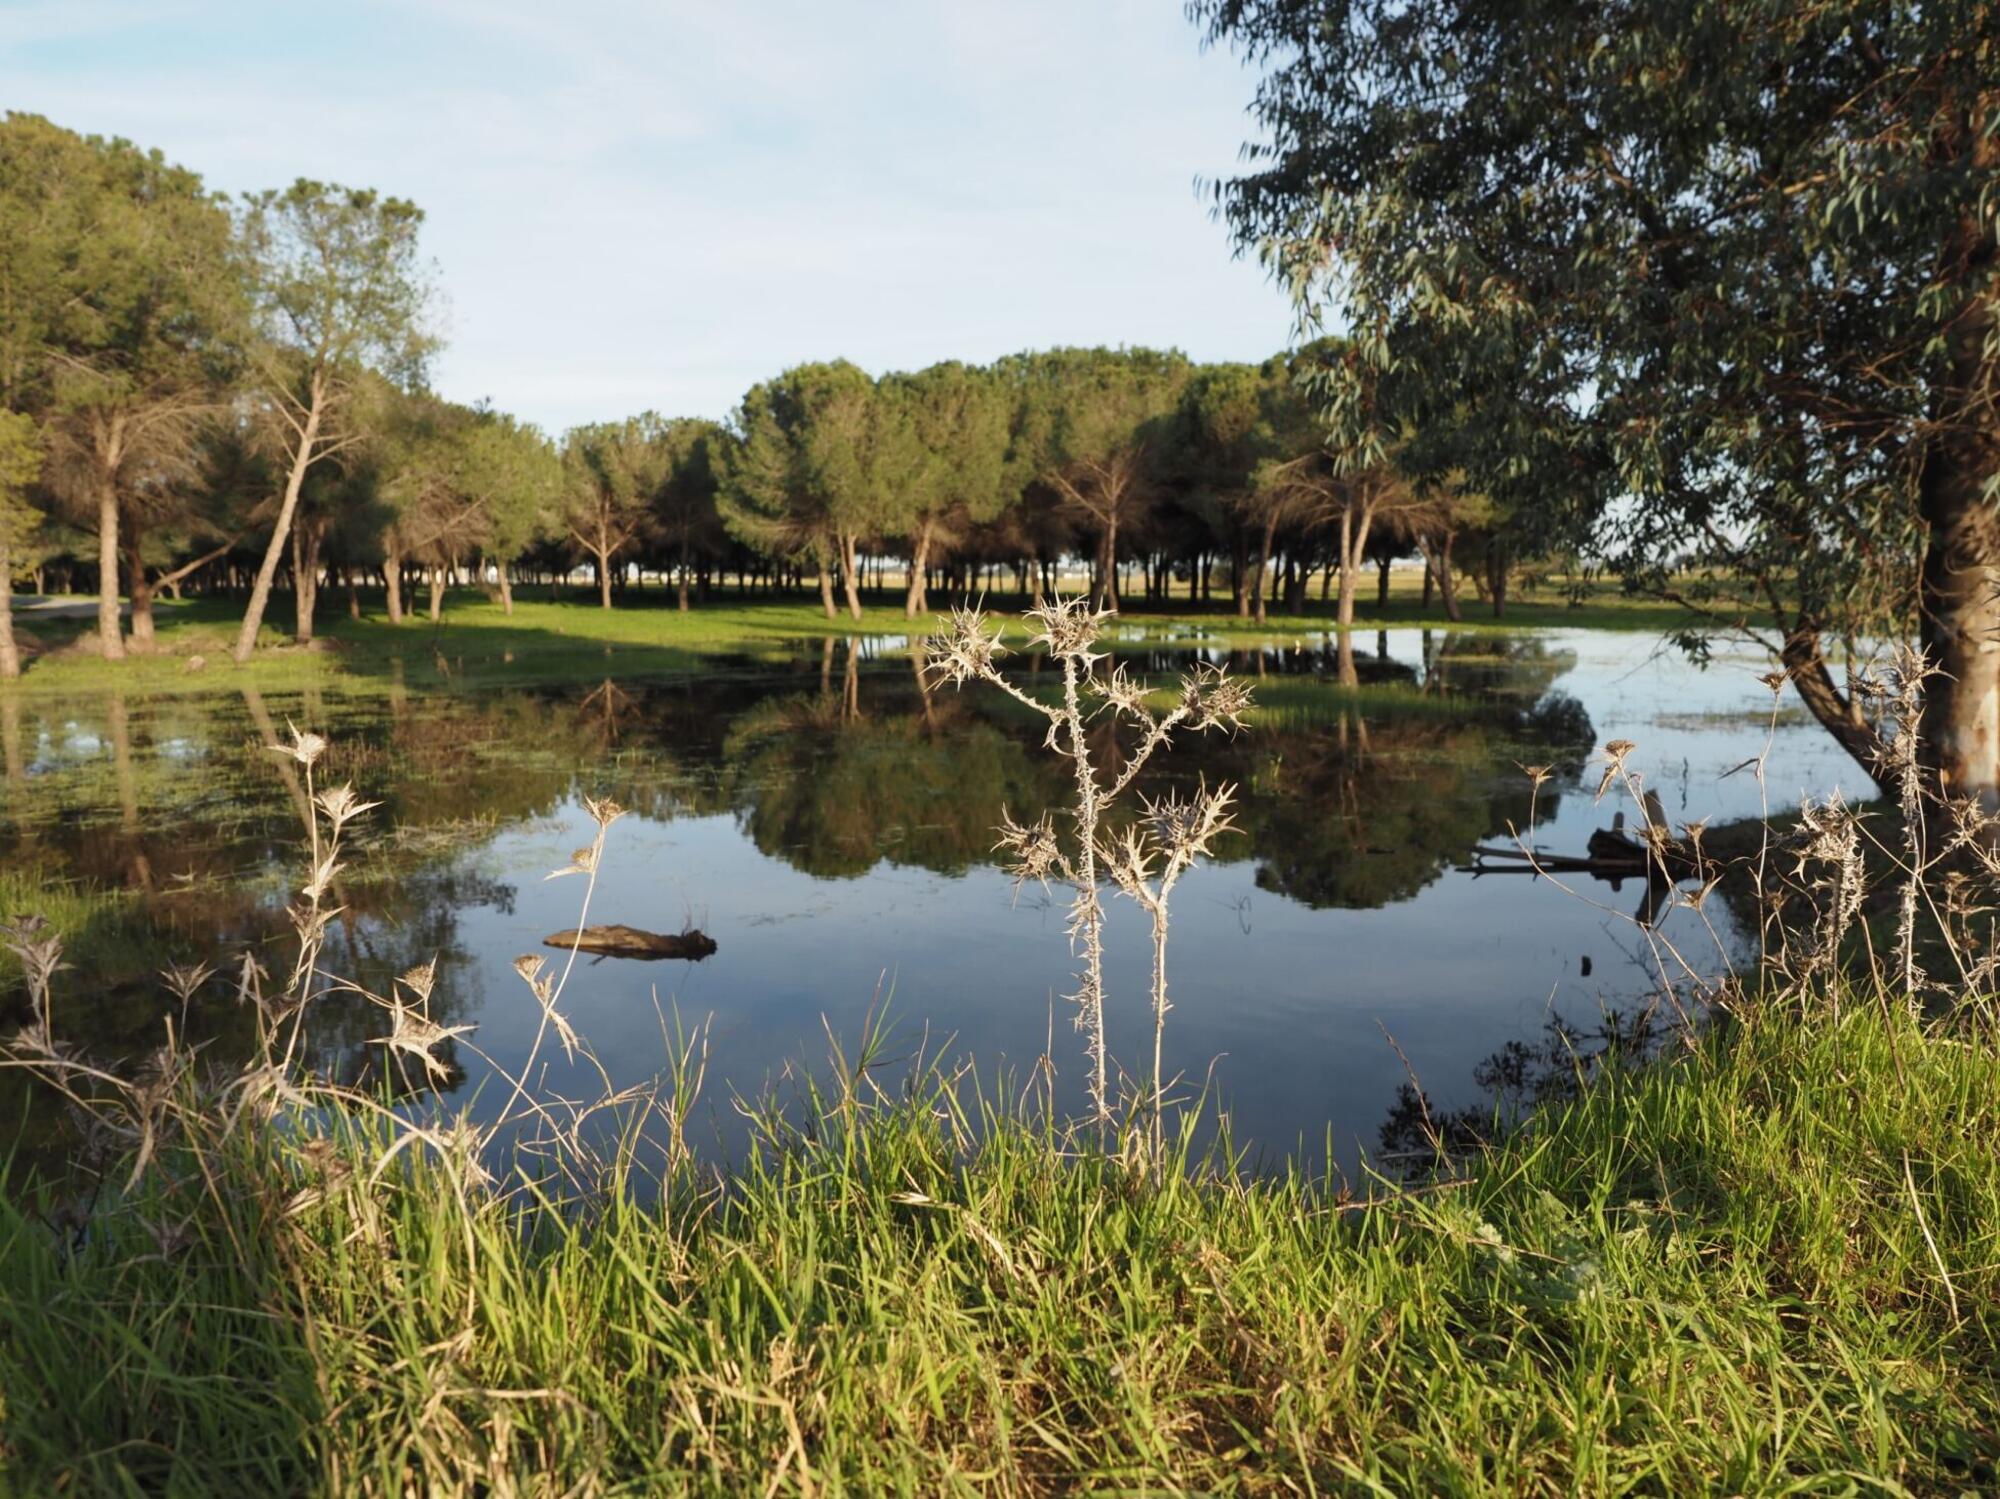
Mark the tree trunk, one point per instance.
(140, 590)
(1353, 542)
(1960, 629)
(437, 592)
(108, 629)
(305, 579)
(506, 589)
(10, 651)
(1447, 584)
(392, 580)
(1107, 573)
(849, 582)
(1496, 576)
(681, 597)
(604, 580)
(1382, 582)
(1258, 590)
(826, 590)
(267, 571)
(1960, 587)
(920, 560)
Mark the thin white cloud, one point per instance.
(654, 205)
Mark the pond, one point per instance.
(829, 823)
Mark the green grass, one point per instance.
(476, 644)
(1771, 1264)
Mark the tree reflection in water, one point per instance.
(177, 832)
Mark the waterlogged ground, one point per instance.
(829, 823)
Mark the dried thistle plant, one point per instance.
(1069, 630)
(1176, 831)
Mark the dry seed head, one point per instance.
(305, 748)
(603, 811)
(185, 981)
(420, 980)
(416, 1034)
(1033, 851)
(1614, 763)
(1185, 826)
(1537, 775)
(1122, 693)
(1069, 628)
(1128, 859)
(963, 650)
(1213, 699)
(342, 806)
(38, 946)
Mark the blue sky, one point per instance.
(642, 206)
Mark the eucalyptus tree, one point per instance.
(611, 472)
(954, 473)
(341, 293)
(1697, 283)
(120, 303)
(684, 501)
(20, 462)
(1086, 419)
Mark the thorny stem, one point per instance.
(1088, 917)
(1154, 739)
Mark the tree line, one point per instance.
(231, 396)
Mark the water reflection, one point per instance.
(830, 822)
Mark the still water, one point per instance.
(829, 823)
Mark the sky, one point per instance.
(638, 206)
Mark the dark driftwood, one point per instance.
(630, 942)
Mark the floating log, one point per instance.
(1610, 854)
(630, 942)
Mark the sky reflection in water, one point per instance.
(829, 825)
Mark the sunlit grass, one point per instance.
(477, 644)
(1768, 1263)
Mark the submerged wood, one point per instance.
(630, 942)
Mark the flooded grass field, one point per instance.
(828, 819)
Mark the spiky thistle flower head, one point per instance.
(1185, 827)
(964, 649)
(1122, 693)
(1212, 699)
(1068, 628)
(1032, 851)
